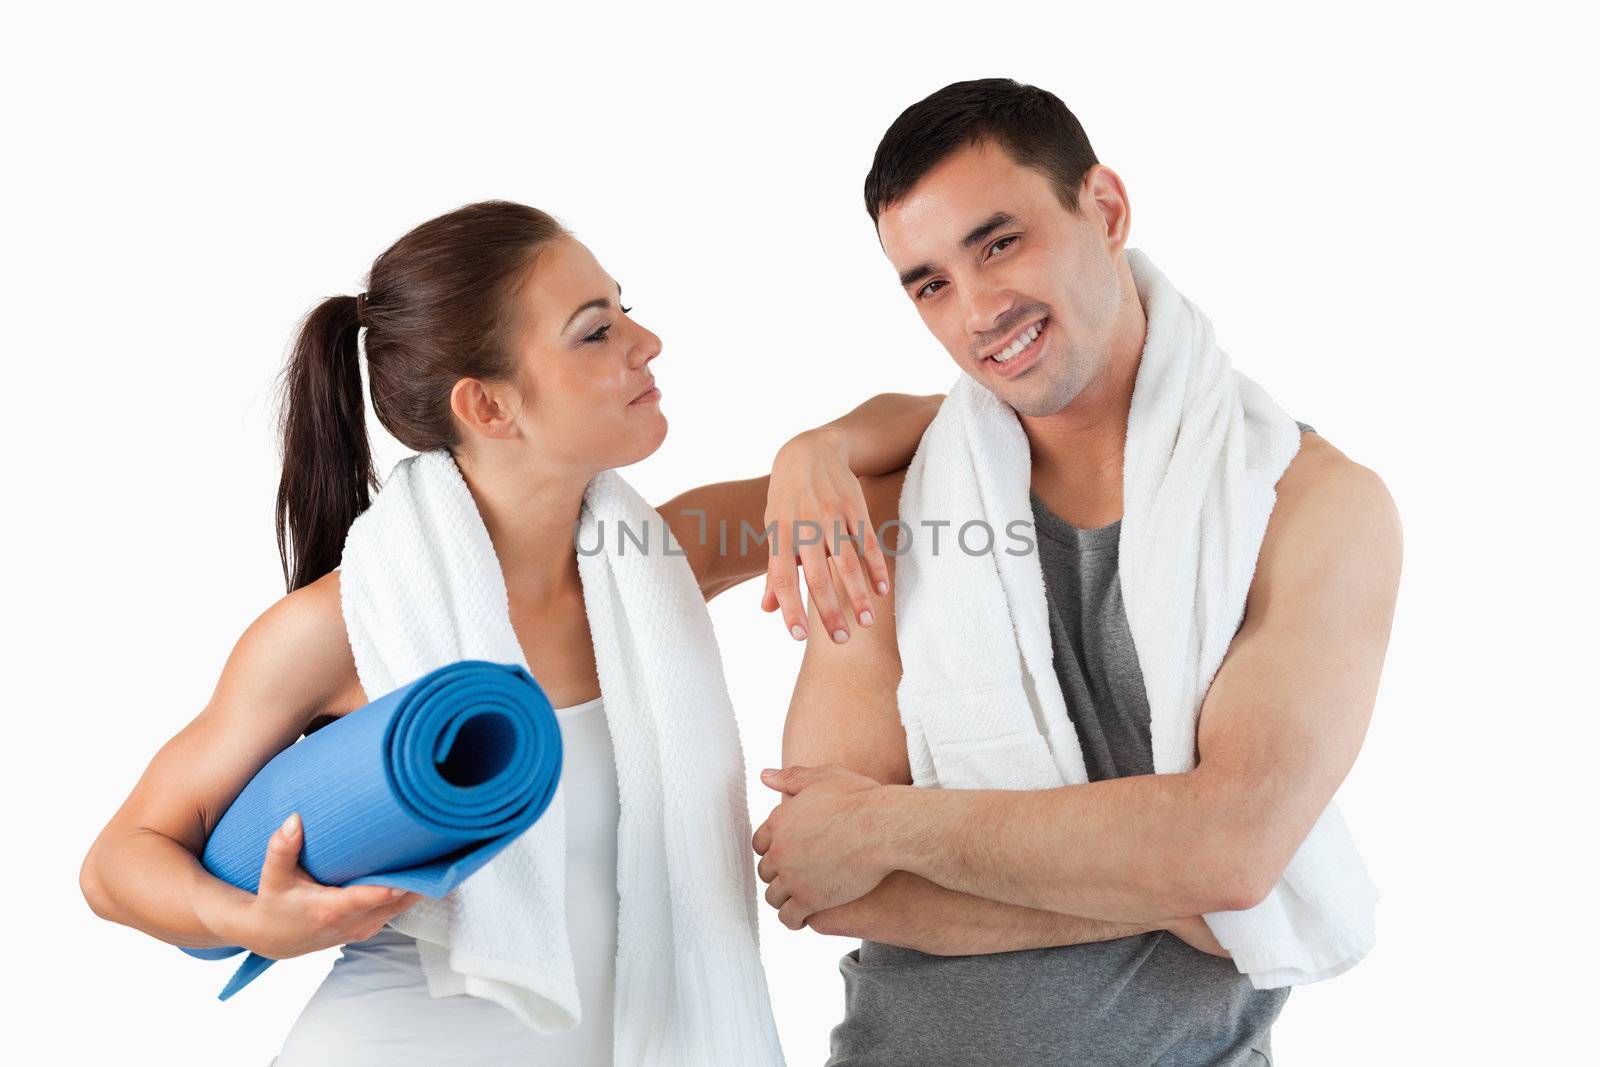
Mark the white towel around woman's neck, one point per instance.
(979, 697)
(421, 587)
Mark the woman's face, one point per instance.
(588, 395)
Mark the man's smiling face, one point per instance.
(1021, 292)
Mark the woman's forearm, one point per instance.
(150, 882)
(881, 434)
(731, 531)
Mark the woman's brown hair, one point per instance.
(438, 308)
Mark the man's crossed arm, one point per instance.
(843, 715)
(853, 849)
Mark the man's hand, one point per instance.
(1194, 932)
(816, 851)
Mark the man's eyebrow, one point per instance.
(976, 234)
(915, 274)
(986, 227)
(597, 302)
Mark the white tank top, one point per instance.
(589, 778)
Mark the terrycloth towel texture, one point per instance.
(421, 585)
(416, 790)
(979, 697)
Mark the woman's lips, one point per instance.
(651, 394)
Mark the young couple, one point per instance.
(1074, 796)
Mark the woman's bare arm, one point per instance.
(733, 531)
(291, 665)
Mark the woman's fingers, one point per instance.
(819, 582)
(293, 913)
(346, 914)
(783, 586)
(848, 566)
(872, 553)
(353, 899)
(360, 923)
(280, 870)
(842, 543)
(865, 537)
(394, 906)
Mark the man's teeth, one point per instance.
(1023, 341)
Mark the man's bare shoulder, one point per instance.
(843, 710)
(882, 493)
(1333, 516)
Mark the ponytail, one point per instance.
(436, 310)
(327, 463)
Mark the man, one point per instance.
(1032, 926)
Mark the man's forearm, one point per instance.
(909, 911)
(1136, 850)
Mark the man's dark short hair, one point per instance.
(1032, 125)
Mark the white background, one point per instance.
(1387, 211)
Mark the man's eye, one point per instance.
(599, 335)
(929, 289)
(1002, 244)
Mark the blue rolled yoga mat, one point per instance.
(417, 789)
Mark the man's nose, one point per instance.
(984, 307)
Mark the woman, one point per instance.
(495, 337)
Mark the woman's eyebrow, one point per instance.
(597, 302)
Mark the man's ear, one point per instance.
(486, 408)
(1106, 194)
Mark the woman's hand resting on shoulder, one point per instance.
(293, 914)
(818, 520)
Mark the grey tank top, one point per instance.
(1148, 999)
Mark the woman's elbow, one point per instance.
(91, 883)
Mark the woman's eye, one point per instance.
(1002, 244)
(599, 335)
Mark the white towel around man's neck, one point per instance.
(979, 697)
(421, 587)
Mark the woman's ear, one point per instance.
(486, 408)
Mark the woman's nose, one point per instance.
(647, 348)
